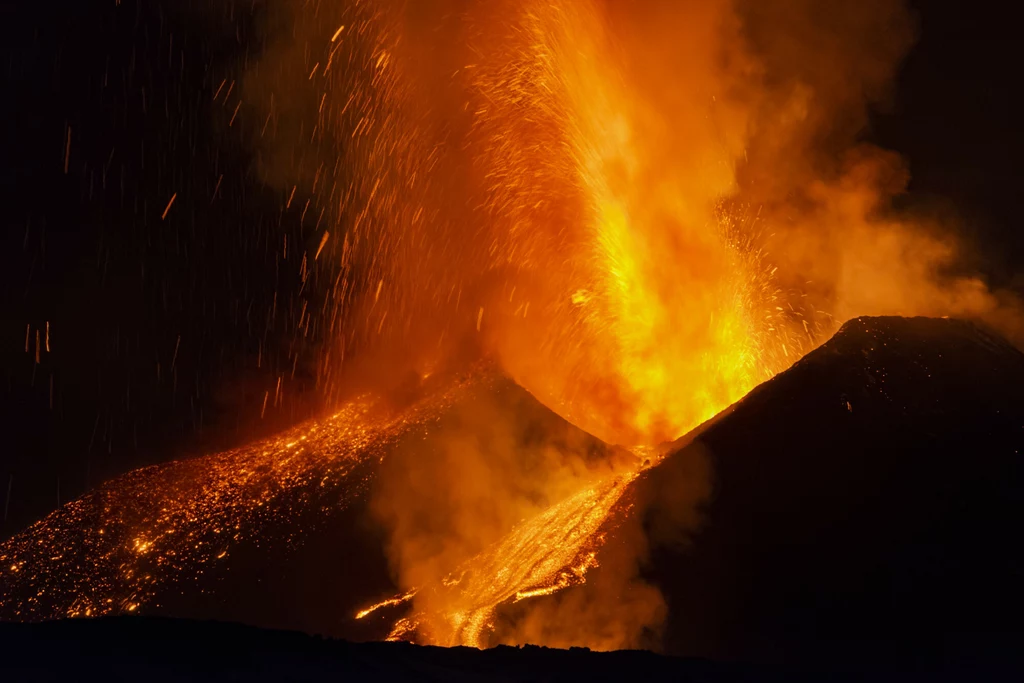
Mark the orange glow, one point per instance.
(644, 310)
(385, 603)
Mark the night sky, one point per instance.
(164, 329)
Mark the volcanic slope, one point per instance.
(865, 505)
(279, 533)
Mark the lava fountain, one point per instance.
(499, 179)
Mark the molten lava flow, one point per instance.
(538, 557)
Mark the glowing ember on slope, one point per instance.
(109, 551)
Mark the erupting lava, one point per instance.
(648, 310)
(574, 191)
(526, 194)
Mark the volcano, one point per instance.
(865, 503)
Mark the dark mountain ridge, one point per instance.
(867, 505)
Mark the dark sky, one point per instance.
(164, 333)
(957, 119)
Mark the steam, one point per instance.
(640, 210)
(824, 196)
(616, 608)
(497, 459)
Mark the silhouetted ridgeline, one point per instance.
(867, 506)
(156, 649)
